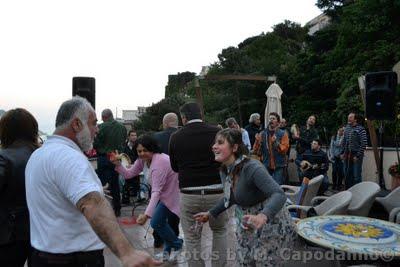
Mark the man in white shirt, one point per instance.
(69, 215)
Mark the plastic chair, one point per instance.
(394, 215)
(336, 204)
(391, 201)
(363, 196)
(294, 192)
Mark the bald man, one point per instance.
(170, 125)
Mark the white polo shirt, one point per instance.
(58, 175)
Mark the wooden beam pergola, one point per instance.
(229, 77)
(233, 77)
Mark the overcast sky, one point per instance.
(129, 46)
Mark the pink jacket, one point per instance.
(164, 182)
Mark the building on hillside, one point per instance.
(129, 116)
(318, 23)
(133, 115)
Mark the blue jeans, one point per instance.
(352, 172)
(159, 222)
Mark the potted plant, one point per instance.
(394, 169)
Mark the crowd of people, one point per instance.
(54, 210)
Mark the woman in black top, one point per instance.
(265, 229)
(19, 138)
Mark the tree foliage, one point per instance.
(317, 73)
(151, 120)
(177, 83)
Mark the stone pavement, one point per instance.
(141, 237)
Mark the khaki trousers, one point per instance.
(190, 205)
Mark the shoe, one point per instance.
(162, 256)
(174, 255)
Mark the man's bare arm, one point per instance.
(101, 217)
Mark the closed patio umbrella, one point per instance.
(273, 94)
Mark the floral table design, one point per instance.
(352, 234)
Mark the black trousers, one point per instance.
(337, 173)
(15, 254)
(107, 174)
(75, 259)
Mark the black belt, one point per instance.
(84, 256)
(202, 192)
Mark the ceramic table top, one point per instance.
(352, 234)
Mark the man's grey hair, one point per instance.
(170, 120)
(77, 107)
(254, 117)
(230, 121)
(107, 114)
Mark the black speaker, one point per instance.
(85, 87)
(380, 95)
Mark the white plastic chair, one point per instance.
(363, 196)
(394, 215)
(391, 201)
(336, 204)
(293, 192)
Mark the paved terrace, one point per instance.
(138, 237)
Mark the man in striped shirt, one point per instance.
(354, 144)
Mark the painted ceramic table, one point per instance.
(352, 234)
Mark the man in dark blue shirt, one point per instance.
(314, 162)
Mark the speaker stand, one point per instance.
(381, 143)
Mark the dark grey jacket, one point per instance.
(254, 185)
(163, 138)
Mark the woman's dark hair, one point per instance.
(334, 132)
(234, 137)
(18, 125)
(148, 142)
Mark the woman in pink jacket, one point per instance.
(164, 201)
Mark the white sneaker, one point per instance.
(162, 256)
(174, 255)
